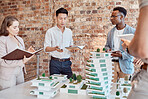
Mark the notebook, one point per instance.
(19, 54)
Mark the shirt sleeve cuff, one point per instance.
(143, 3)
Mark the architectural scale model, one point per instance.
(99, 71)
(123, 88)
(47, 86)
(75, 86)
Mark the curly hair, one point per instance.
(121, 9)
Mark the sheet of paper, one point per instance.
(126, 36)
(75, 47)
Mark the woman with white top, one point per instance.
(11, 71)
(138, 47)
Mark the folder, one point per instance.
(19, 54)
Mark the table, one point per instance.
(22, 91)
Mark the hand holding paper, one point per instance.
(125, 43)
(126, 36)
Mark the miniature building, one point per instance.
(97, 84)
(123, 88)
(47, 87)
(74, 86)
(99, 75)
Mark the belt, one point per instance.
(144, 66)
(61, 60)
(115, 60)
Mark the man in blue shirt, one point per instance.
(122, 60)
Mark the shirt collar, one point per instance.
(121, 29)
(59, 29)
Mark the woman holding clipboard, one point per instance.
(11, 71)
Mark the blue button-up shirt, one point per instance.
(126, 62)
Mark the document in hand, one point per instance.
(126, 36)
(75, 47)
(18, 54)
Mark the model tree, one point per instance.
(104, 49)
(70, 80)
(43, 74)
(38, 78)
(98, 49)
(50, 77)
(117, 93)
(79, 78)
(74, 77)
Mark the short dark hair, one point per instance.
(121, 9)
(8, 21)
(61, 10)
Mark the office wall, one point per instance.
(88, 19)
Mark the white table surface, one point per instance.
(22, 91)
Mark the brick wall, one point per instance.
(88, 19)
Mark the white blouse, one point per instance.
(8, 67)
